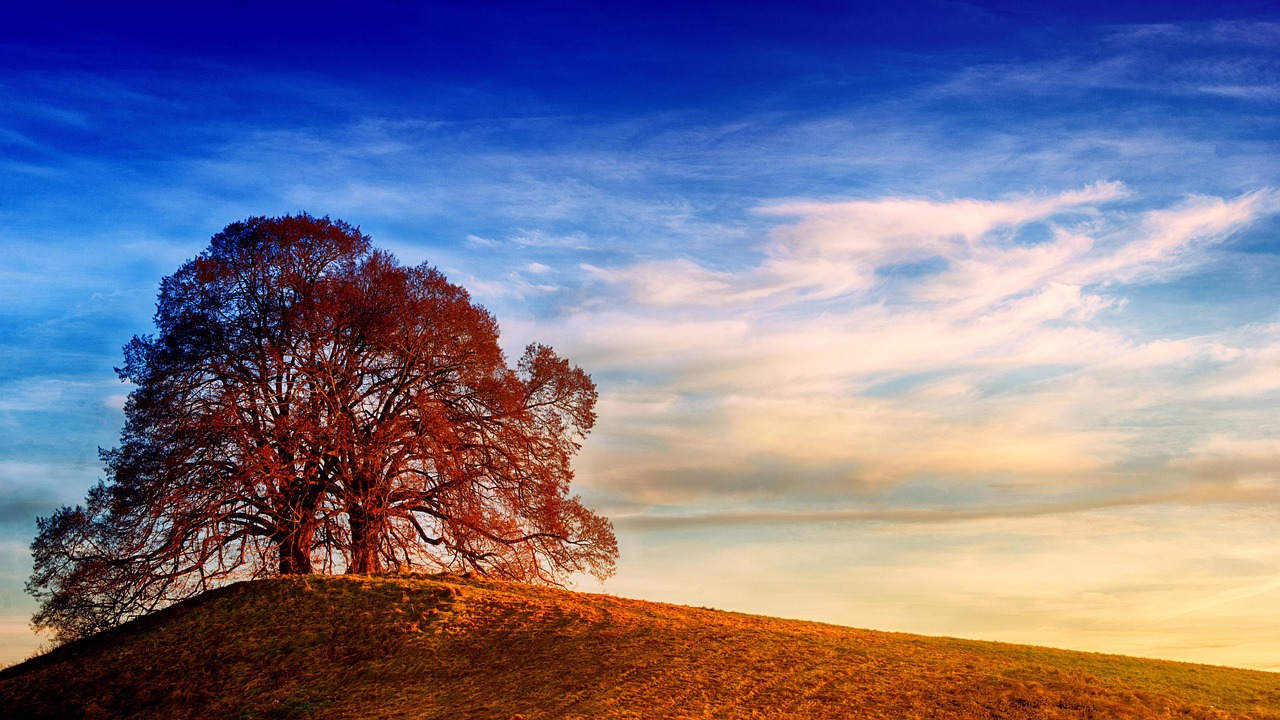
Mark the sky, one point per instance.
(951, 318)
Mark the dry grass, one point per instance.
(446, 647)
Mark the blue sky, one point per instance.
(942, 317)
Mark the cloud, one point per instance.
(33, 489)
(836, 248)
(860, 224)
(1255, 373)
(1169, 238)
(894, 516)
(970, 250)
(899, 338)
(49, 394)
(1163, 60)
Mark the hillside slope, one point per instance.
(447, 647)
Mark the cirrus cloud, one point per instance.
(873, 343)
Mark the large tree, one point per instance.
(308, 403)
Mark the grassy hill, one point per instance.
(447, 647)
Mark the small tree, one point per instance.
(309, 403)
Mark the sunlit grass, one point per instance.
(447, 647)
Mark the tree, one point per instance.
(309, 403)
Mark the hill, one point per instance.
(449, 647)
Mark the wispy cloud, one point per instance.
(1232, 58)
(901, 338)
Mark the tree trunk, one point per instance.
(366, 530)
(295, 550)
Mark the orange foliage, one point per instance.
(309, 403)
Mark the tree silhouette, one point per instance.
(310, 404)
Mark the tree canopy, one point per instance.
(309, 404)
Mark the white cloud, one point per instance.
(838, 249)
(1003, 357)
(54, 394)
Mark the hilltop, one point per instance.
(450, 647)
